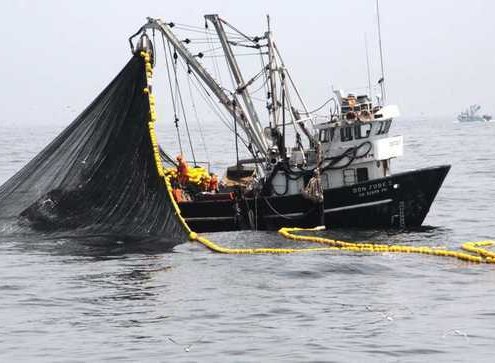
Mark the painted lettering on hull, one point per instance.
(372, 189)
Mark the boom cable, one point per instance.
(207, 98)
(197, 117)
(181, 101)
(176, 119)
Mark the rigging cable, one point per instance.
(184, 115)
(215, 107)
(154, 47)
(264, 67)
(250, 82)
(212, 49)
(179, 95)
(216, 68)
(208, 99)
(234, 87)
(176, 119)
(295, 123)
(196, 115)
(234, 103)
(251, 39)
(203, 92)
(263, 84)
(237, 55)
(321, 107)
(199, 29)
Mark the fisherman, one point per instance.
(182, 170)
(351, 99)
(204, 183)
(178, 195)
(213, 187)
(177, 191)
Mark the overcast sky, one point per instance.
(56, 56)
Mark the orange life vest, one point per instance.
(177, 193)
(205, 183)
(182, 171)
(213, 183)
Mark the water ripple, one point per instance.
(108, 299)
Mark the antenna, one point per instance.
(368, 66)
(382, 80)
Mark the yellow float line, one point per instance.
(193, 236)
(154, 142)
(479, 254)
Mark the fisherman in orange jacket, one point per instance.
(182, 170)
(213, 187)
(204, 183)
(178, 195)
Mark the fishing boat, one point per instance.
(305, 168)
(471, 114)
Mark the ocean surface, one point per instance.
(75, 300)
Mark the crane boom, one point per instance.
(236, 72)
(255, 136)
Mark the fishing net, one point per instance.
(98, 177)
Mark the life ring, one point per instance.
(350, 116)
(365, 115)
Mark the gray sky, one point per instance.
(439, 54)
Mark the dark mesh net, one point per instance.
(98, 177)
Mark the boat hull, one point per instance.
(397, 201)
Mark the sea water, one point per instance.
(82, 300)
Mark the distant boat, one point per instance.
(471, 115)
(422, 117)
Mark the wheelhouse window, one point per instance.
(326, 135)
(362, 174)
(362, 131)
(387, 126)
(384, 127)
(346, 134)
(349, 176)
(323, 136)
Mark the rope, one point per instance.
(215, 107)
(236, 54)
(199, 29)
(154, 47)
(216, 67)
(197, 119)
(319, 108)
(211, 48)
(475, 252)
(185, 119)
(179, 96)
(251, 39)
(176, 119)
(276, 211)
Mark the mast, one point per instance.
(271, 75)
(284, 151)
(255, 124)
(382, 80)
(254, 134)
(294, 113)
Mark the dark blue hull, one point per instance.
(398, 201)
